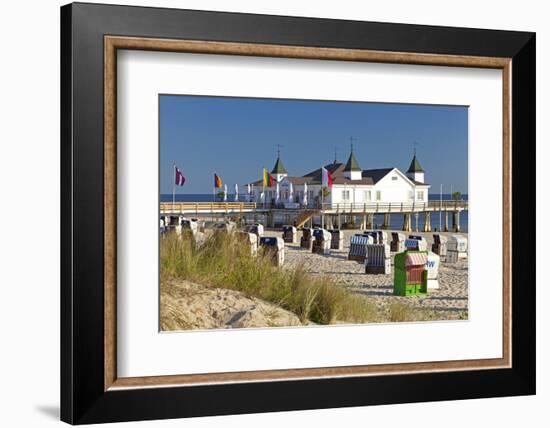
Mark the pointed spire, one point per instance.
(279, 168)
(352, 164)
(415, 165)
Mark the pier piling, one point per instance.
(387, 221)
(427, 222)
(456, 221)
(407, 223)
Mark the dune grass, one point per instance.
(224, 261)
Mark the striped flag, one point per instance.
(217, 181)
(179, 178)
(327, 177)
(267, 179)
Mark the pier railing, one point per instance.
(394, 207)
(331, 208)
(206, 207)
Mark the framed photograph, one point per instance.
(266, 213)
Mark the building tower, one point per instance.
(352, 170)
(415, 171)
(279, 171)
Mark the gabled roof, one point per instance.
(293, 180)
(368, 176)
(415, 165)
(337, 170)
(279, 168)
(377, 174)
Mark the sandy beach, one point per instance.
(450, 301)
(205, 300)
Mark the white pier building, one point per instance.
(351, 185)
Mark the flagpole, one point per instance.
(322, 187)
(440, 204)
(174, 190)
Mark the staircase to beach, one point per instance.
(304, 217)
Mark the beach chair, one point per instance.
(432, 267)
(410, 273)
(306, 241)
(249, 239)
(358, 247)
(321, 242)
(224, 227)
(170, 222)
(275, 248)
(377, 259)
(289, 234)
(382, 236)
(373, 234)
(457, 248)
(439, 246)
(256, 229)
(190, 224)
(186, 225)
(417, 243)
(397, 242)
(337, 239)
(458, 243)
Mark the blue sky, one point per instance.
(237, 137)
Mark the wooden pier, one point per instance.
(329, 215)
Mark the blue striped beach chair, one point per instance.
(377, 259)
(358, 247)
(416, 244)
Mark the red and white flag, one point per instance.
(327, 177)
(180, 179)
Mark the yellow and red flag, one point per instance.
(217, 181)
(267, 179)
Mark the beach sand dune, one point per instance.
(187, 306)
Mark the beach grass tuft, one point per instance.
(224, 261)
(401, 312)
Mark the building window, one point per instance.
(394, 178)
(368, 196)
(378, 195)
(420, 195)
(411, 195)
(345, 195)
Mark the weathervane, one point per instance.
(415, 143)
(351, 140)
